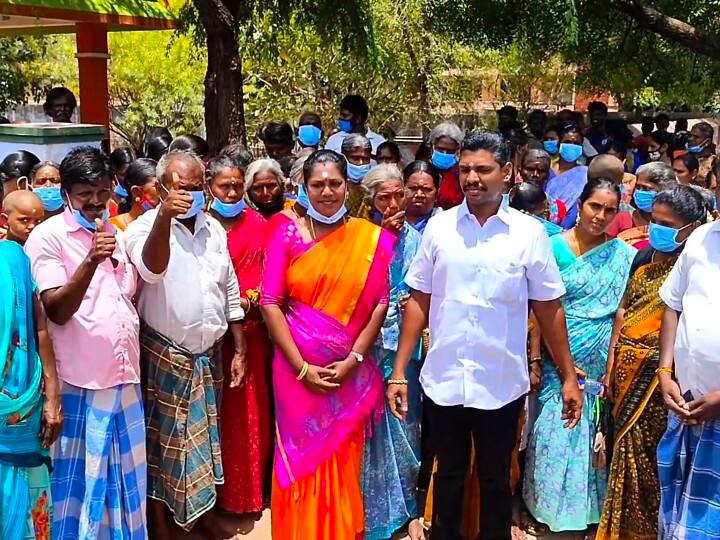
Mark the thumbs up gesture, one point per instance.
(103, 245)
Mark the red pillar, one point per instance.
(92, 55)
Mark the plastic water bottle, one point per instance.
(595, 388)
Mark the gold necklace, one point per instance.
(312, 228)
(577, 242)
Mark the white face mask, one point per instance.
(317, 216)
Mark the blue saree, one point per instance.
(567, 187)
(561, 487)
(24, 476)
(391, 458)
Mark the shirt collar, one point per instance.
(201, 222)
(503, 212)
(73, 226)
(69, 220)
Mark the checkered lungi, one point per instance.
(689, 473)
(99, 477)
(182, 397)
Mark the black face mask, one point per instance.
(271, 208)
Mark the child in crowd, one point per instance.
(22, 211)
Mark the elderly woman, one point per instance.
(245, 414)
(45, 181)
(324, 299)
(357, 151)
(535, 169)
(632, 226)
(422, 182)
(633, 496)
(264, 186)
(444, 141)
(391, 461)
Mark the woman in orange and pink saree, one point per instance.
(324, 299)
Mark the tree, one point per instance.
(159, 86)
(222, 23)
(17, 79)
(659, 55)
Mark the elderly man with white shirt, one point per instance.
(479, 265)
(189, 297)
(689, 375)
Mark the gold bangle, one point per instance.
(667, 370)
(397, 381)
(536, 360)
(303, 371)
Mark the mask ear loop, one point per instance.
(23, 183)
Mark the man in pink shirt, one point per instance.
(86, 283)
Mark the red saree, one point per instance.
(245, 412)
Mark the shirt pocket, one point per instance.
(505, 284)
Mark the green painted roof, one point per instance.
(134, 8)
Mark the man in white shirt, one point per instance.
(189, 298)
(479, 265)
(688, 466)
(354, 112)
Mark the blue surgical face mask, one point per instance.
(197, 205)
(644, 200)
(302, 197)
(345, 125)
(84, 222)
(443, 161)
(570, 153)
(356, 173)
(120, 191)
(309, 135)
(550, 228)
(317, 216)
(664, 238)
(228, 210)
(694, 149)
(51, 198)
(551, 146)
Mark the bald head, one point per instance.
(181, 170)
(22, 200)
(22, 211)
(606, 166)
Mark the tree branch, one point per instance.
(680, 32)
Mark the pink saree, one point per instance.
(328, 290)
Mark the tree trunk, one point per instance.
(224, 105)
(689, 36)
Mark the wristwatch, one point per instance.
(358, 357)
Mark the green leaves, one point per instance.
(156, 79)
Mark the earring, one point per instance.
(137, 199)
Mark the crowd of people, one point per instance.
(508, 327)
